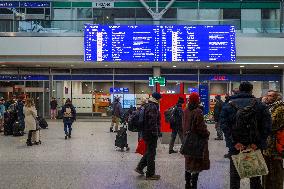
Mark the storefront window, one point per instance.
(84, 13)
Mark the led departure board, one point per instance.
(159, 43)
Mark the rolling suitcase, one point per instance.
(17, 130)
(121, 139)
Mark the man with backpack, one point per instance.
(69, 116)
(246, 123)
(150, 132)
(176, 124)
(274, 154)
(116, 114)
(217, 111)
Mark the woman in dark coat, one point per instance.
(193, 166)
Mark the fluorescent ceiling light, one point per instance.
(275, 66)
(242, 66)
(207, 66)
(174, 66)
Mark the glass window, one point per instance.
(142, 13)
(84, 13)
(47, 11)
(171, 13)
(34, 84)
(231, 13)
(35, 10)
(271, 14)
(87, 88)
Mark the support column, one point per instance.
(282, 82)
(156, 71)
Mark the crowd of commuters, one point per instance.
(266, 120)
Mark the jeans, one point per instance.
(174, 135)
(67, 128)
(53, 113)
(255, 182)
(219, 130)
(149, 157)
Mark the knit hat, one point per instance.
(194, 98)
(156, 96)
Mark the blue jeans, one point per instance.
(69, 126)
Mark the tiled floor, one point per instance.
(90, 161)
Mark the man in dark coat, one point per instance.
(69, 116)
(20, 112)
(176, 124)
(241, 138)
(150, 132)
(116, 114)
(217, 111)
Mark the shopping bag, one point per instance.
(141, 147)
(250, 164)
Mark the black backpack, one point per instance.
(169, 114)
(135, 120)
(245, 127)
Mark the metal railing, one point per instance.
(77, 26)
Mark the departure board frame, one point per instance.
(159, 43)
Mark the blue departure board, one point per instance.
(159, 43)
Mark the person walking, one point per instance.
(20, 112)
(245, 131)
(30, 114)
(272, 156)
(193, 121)
(69, 116)
(53, 108)
(144, 101)
(2, 112)
(151, 130)
(176, 124)
(116, 114)
(217, 111)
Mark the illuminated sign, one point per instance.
(119, 90)
(219, 78)
(159, 43)
(153, 80)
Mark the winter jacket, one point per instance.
(68, 119)
(277, 114)
(227, 121)
(217, 110)
(19, 107)
(117, 109)
(199, 127)
(176, 123)
(151, 119)
(30, 116)
(53, 104)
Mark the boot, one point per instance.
(69, 134)
(29, 142)
(187, 180)
(194, 179)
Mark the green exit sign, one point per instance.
(153, 80)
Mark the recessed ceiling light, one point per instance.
(139, 65)
(276, 66)
(174, 66)
(72, 65)
(37, 65)
(3, 65)
(207, 66)
(106, 65)
(242, 66)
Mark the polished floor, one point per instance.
(90, 161)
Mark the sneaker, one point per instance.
(153, 177)
(172, 152)
(137, 170)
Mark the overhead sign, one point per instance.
(25, 4)
(204, 97)
(119, 90)
(153, 80)
(159, 43)
(106, 4)
(219, 78)
(9, 4)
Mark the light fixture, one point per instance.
(37, 65)
(254, 81)
(106, 65)
(207, 66)
(174, 66)
(242, 66)
(72, 65)
(3, 65)
(139, 65)
(275, 66)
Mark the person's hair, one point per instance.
(30, 102)
(279, 96)
(272, 91)
(246, 87)
(68, 101)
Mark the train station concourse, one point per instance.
(124, 77)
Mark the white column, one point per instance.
(282, 88)
(156, 71)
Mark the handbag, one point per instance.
(250, 164)
(193, 144)
(141, 147)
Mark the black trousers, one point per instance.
(173, 138)
(148, 160)
(255, 182)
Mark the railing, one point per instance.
(77, 26)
